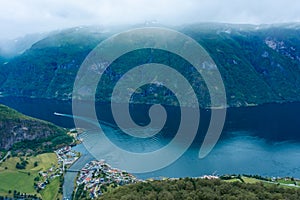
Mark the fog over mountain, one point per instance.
(19, 17)
(258, 64)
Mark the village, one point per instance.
(66, 157)
(98, 176)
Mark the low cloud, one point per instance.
(18, 17)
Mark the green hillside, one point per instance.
(7, 113)
(21, 133)
(259, 64)
(199, 189)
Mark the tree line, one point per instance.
(198, 189)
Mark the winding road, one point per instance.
(3, 159)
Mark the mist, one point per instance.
(19, 18)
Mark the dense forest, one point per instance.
(197, 189)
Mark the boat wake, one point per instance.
(59, 114)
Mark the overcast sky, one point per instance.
(19, 17)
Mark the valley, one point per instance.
(260, 68)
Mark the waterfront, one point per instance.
(70, 176)
(239, 154)
(260, 140)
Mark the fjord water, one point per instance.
(262, 140)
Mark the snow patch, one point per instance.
(271, 43)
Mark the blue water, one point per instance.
(262, 140)
(69, 178)
(239, 154)
(242, 153)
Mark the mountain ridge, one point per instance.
(258, 63)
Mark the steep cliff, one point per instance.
(22, 132)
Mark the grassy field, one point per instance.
(288, 181)
(23, 180)
(245, 179)
(282, 182)
(51, 191)
(14, 180)
(233, 180)
(45, 161)
(250, 180)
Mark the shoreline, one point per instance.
(282, 181)
(244, 105)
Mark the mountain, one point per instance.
(258, 64)
(49, 67)
(20, 132)
(13, 47)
